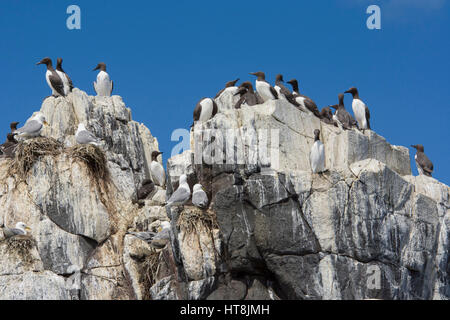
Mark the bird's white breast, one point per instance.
(263, 89)
(359, 110)
(317, 157)
(207, 109)
(103, 85)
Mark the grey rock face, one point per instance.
(366, 229)
(79, 224)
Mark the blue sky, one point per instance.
(164, 56)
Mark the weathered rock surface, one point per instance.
(78, 223)
(364, 229)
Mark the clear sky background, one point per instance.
(164, 56)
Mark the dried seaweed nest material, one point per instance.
(22, 246)
(150, 268)
(29, 151)
(93, 158)
(190, 218)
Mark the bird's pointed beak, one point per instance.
(96, 68)
(347, 91)
(159, 229)
(40, 62)
(27, 229)
(253, 73)
(45, 123)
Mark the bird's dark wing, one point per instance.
(70, 83)
(311, 105)
(368, 117)
(274, 92)
(425, 163)
(57, 83)
(215, 108)
(239, 103)
(197, 111)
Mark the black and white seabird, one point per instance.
(326, 115)
(303, 100)
(247, 95)
(317, 154)
(263, 88)
(229, 87)
(104, 85)
(54, 81)
(341, 115)
(199, 197)
(157, 170)
(21, 229)
(8, 149)
(285, 93)
(360, 110)
(206, 109)
(68, 85)
(424, 165)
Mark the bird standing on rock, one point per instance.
(68, 85)
(247, 95)
(424, 165)
(104, 85)
(206, 109)
(360, 110)
(54, 81)
(284, 92)
(229, 86)
(317, 154)
(341, 115)
(303, 100)
(157, 170)
(181, 195)
(263, 88)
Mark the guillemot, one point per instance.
(360, 110)
(54, 81)
(229, 86)
(263, 88)
(205, 109)
(247, 95)
(68, 85)
(104, 85)
(317, 154)
(341, 115)
(157, 170)
(303, 100)
(284, 92)
(424, 165)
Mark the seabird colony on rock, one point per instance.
(264, 92)
(61, 85)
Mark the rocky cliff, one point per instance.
(364, 229)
